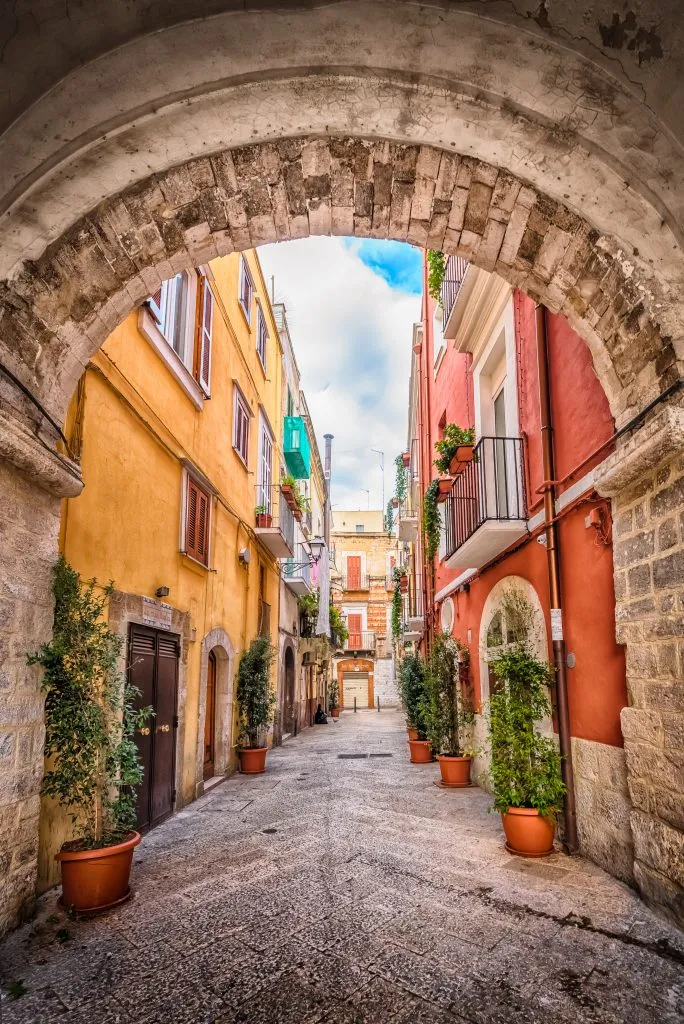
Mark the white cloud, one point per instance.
(352, 339)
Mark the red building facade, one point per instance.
(477, 365)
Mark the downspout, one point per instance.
(553, 560)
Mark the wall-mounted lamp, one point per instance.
(161, 592)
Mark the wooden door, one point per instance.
(353, 572)
(153, 668)
(355, 627)
(210, 720)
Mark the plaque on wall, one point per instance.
(156, 613)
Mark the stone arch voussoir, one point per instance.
(62, 307)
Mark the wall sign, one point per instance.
(156, 613)
(556, 624)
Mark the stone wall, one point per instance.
(29, 529)
(385, 683)
(645, 479)
(603, 806)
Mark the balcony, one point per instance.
(360, 641)
(275, 523)
(485, 511)
(455, 272)
(413, 608)
(354, 583)
(407, 520)
(296, 447)
(297, 571)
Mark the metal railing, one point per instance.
(358, 581)
(363, 640)
(413, 601)
(307, 625)
(454, 274)
(275, 507)
(298, 567)
(490, 487)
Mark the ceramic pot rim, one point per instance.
(101, 851)
(529, 811)
(452, 757)
(250, 750)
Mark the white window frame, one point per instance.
(246, 276)
(241, 403)
(265, 465)
(149, 326)
(262, 337)
(165, 313)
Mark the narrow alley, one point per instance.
(344, 886)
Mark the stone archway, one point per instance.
(289, 695)
(219, 643)
(526, 145)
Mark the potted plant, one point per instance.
(264, 519)
(256, 702)
(412, 685)
(455, 448)
(395, 503)
(338, 627)
(525, 767)
(406, 459)
(444, 486)
(334, 698)
(448, 710)
(288, 489)
(93, 764)
(401, 577)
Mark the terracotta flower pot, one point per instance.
(455, 770)
(412, 733)
(335, 712)
(253, 760)
(464, 455)
(395, 503)
(421, 751)
(97, 879)
(528, 834)
(297, 513)
(406, 459)
(403, 585)
(445, 486)
(264, 521)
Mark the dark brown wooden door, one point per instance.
(153, 668)
(210, 719)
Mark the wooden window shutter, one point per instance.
(197, 522)
(205, 323)
(353, 572)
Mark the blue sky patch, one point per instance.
(397, 263)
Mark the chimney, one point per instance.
(326, 473)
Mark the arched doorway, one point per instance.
(209, 760)
(550, 162)
(290, 695)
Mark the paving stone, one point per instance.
(378, 898)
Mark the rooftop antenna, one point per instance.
(272, 288)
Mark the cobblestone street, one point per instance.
(343, 886)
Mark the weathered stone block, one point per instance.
(658, 846)
(634, 549)
(670, 499)
(639, 579)
(669, 571)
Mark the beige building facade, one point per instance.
(362, 586)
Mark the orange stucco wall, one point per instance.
(597, 688)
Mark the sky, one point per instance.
(351, 305)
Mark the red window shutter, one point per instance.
(354, 627)
(197, 522)
(353, 572)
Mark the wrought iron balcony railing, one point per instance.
(363, 640)
(454, 274)
(491, 487)
(275, 521)
(297, 570)
(355, 581)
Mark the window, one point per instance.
(265, 472)
(169, 305)
(262, 337)
(241, 417)
(246, 290)
(360, 528)
(205, 325)
(197, 516)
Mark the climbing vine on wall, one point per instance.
(389, 517)
(396, 612)
(436, 262)
(400, 485)
(432, 520)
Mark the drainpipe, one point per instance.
(553, 558)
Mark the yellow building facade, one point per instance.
(178, 424)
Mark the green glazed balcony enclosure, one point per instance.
(296, 448)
